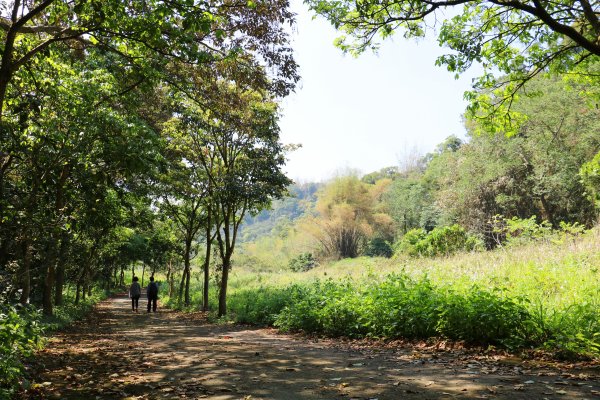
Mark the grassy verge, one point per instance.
(543, 295)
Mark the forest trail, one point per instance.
(118, 354)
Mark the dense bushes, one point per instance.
(443, 240)
(378, 247)
(303, 262)
(400, 306)
(20, 336)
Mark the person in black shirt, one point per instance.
(152, 292)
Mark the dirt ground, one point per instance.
(119, 354)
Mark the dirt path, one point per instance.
(118, 354)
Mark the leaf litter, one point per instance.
(169, 355)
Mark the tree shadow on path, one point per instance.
(119, 354)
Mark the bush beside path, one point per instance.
(118, 354)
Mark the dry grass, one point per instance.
(553, 273)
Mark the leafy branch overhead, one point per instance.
(515, 39)
(149, 35)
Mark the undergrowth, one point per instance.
(23, 331)
(540, 295)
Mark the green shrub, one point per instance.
(572, 332)
(445, 240)
(485, 317)
(407, 244)
(402, 307)
(519, 231)
(20, 336)
(259, 306)
(590, 177)
(301, 312)
(303, 262)
(378, 247)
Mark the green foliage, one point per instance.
(590, 177)
(20, 336)
(70, 312)
(259, 306)
(527, 229)
(396, 307)
(408, 243)
(518, 231)
(378, 247)
(440, 241)
(402, 307)
(486, 316)
(518, 40)
(540, 294)
(303, 262)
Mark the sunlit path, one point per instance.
(119, 354)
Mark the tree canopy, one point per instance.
(512, 40)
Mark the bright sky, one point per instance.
(369, 112)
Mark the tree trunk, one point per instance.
(6, 67)
(59, 284)
(181, 286)
(185, 279)
(206, 269)
(188, 276)
(48, 286)
(169, 276)
(77, 288)
(143, 273)
(223, 289)
(25, 271)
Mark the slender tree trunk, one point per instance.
(60, 270)
(185, 279)
(48, 286)
(206, 268)
(169, 276)
(57, 242)
(59, 283)
(6, 67)
(25, 270)
(188, 277)
(181, 286)
(28, 243)
(77, 288)
(224, 280)
(143, 273)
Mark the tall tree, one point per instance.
(237, 143)
(147, 34)
(348, 216)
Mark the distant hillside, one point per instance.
(282, 213)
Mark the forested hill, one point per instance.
(282, 213)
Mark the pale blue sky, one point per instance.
(366, 113)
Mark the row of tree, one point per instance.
(548, 169)
(130, 129)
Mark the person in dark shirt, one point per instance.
(134, 293)
(152, 292)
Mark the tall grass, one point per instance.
(540, 294)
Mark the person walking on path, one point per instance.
(152, 292)
(134, 293)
